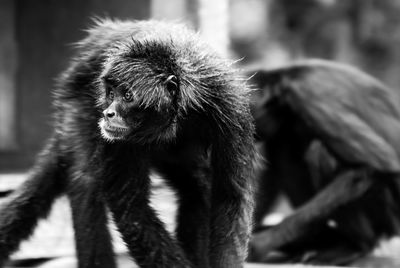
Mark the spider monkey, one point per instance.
(138, 96)
(331, 139)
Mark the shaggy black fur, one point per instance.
(332, 143)
(140, 96)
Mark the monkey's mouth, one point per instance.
(116, 132)
(110, 132)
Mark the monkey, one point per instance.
(330, 135)
(141, 96)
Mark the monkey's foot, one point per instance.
(337, 255)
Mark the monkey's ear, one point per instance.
(172, 84)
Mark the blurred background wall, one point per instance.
(38, 42)
(36, 38)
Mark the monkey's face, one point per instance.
(269, 113)
(139, 103)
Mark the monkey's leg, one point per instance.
(93, 241)
(126, 188)
(345, 188)
(358, 227)
(267, 190)
(193, 219)
(31, 201)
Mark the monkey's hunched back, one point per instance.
(138, 96)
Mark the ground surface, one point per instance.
(53, 237)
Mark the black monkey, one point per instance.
(143, 95)
(332, 142)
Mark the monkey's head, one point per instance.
(149, 82)
(268, 106)
(140, 97)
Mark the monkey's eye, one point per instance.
(128, 96)
(111, 94)
(172, 84)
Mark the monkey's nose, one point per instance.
(109, 114)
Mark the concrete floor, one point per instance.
(124, 262)
(53, 237)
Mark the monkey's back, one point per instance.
(355, 114)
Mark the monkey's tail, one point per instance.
(32, 200)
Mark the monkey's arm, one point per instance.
(232, 195)
(89, 215)
(32, 200)
(126, 187)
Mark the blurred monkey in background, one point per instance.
(331, 139)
